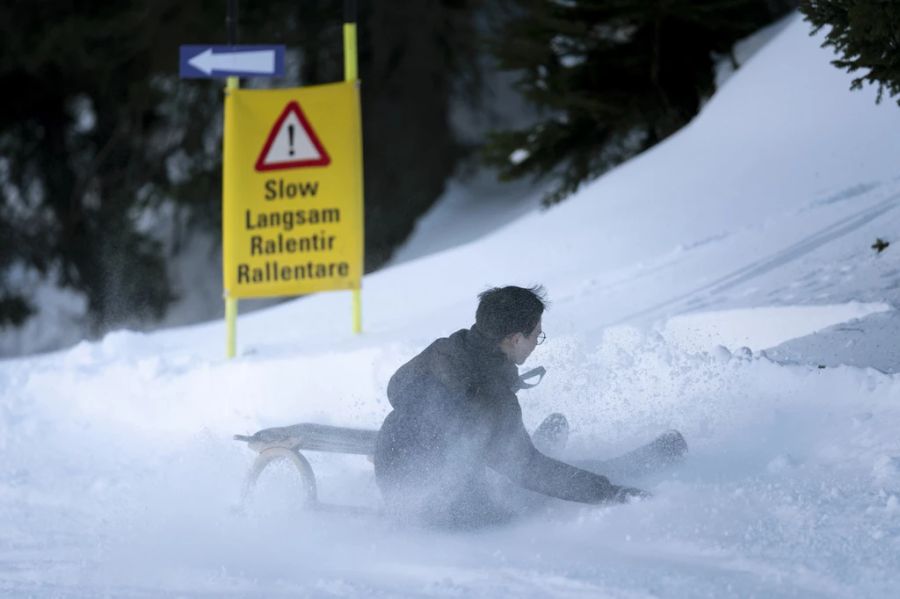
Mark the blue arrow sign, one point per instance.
(206, 62)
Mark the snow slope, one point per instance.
(691, 288)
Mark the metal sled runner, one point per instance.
(288, 442)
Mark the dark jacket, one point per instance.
(456, 413)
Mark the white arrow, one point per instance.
(260, 62)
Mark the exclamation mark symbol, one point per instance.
(291, 139)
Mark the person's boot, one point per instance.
(672, 445)
(551, 436)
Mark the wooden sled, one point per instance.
(289, 443)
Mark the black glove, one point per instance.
(629, 494)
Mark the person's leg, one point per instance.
(666, 450)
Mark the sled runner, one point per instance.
(288, 442)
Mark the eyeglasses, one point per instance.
(541, 337)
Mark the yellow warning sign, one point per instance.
(293, 211)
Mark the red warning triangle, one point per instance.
(292, 143)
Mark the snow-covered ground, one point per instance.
(722, 284)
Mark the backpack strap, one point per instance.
(539, 372)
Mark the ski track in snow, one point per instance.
(779, 259)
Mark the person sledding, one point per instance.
(455, 415)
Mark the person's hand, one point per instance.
(629, 494)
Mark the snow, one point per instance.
(759, 327)
(721, 284)
(480, 201)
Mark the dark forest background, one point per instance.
(109, 163)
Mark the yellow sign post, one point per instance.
(292, 214)
(293, 218)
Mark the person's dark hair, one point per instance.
(504, 311)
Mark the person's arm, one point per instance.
(512, 454)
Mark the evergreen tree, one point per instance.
(612, 78)
(89, 126)
(98, 134)
(867, 34)
(414, 53)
